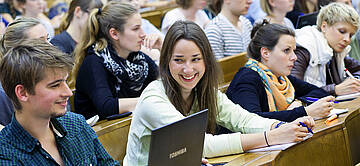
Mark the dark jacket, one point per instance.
(95, 86)
(248, 90)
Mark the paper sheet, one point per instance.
(349, 96)
(278, 147)
(337, 111)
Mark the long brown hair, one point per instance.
(113, 15)
(206, 89)
(85, 5)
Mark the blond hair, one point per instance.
(337, 12)
(266, 7)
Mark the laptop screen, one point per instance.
(307, 19)
(179, 143)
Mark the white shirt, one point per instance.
(175, 15)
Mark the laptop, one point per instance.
(179, 143)
(307, 19)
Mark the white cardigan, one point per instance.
(320, 54)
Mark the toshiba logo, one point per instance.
(177, 153)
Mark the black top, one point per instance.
(6, 108)
(248, 90)
(64, 42)
(95, 86)
(5, 8)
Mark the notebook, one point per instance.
(179, 143)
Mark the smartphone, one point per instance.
(117, 116)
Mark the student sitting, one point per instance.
(322, 50)
(276, 11)
(73, 25)
(264, 86)
(9, 10)
(110, 70)
(22, 28)
(190, 10)
(42, 132)
(229, 32)
(34, 8)
(189, 82)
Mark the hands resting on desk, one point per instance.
(321, 108)
(290, 132)
(286, 133)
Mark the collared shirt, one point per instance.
(76, 141)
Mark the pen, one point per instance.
(348, 73)
(316, 99)
(304, 125)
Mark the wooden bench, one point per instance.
(113, 135)
(230, 66)
(155, 16)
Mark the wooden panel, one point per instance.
(231, 64)
(322, 149)
(352, 132)
(155, 16)
(113, 135)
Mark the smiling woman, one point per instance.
(189, 75)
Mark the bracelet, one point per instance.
(267, 143)
(279, 124)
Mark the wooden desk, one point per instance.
(333, 144)
(154, 15)
(113, 135)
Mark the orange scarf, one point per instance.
(280, 92)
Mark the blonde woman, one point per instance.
(276, 11)
(322, 50)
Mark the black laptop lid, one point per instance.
(179, 143)
(307, 19)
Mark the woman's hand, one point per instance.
(153, 41)
(290, 132)
(348, 86)
(320, 108)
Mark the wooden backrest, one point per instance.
(155, 16)
(113, 135)
(352, 133)
(229, 66)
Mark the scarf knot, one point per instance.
(130, 73)
(280, 92)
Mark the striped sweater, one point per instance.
(225, 39)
